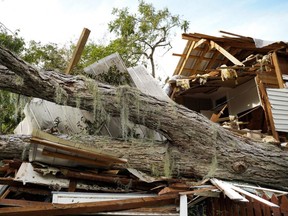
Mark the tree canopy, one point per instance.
(145, 31)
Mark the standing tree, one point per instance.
(146, 31)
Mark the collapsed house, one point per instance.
(223, 78)
(237, 81)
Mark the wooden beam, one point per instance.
(198, 190)
(267, 108)
(193, 45)
(237, 35)
(31, 189)
(246, 193)
(107, 179)
(183, 63)
(19, 203)
(227, 190)
(78, 50)
(91, 207)
(278, 70)
(225, 53)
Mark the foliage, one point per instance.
(47, 56)
(94, 52)
(144, 32)
(11, 42)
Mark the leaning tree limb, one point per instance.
(197, 148)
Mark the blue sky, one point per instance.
(61, 21)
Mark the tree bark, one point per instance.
(197, 148)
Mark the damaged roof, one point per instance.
(204, 52)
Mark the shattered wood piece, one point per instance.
(5, 194)
(96, 156)
(226, 53)
(227, 190)
(142, 176)
(20, 203)
(179, 185)
(78, 50)
(246, 193)
(91, 207)
(278, 70)
(8, 181)
(28, 188)
(31, 190)
(196, 200)
(49, 153)
(108, 179)
(198, 191)
(4, 168)
(261, 188)
(169, 190)
(72, 185)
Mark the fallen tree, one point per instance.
(196, 148)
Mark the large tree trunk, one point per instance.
(197, 147)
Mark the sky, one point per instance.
(62, 21)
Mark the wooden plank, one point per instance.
(107, 179)
(276, 211)
(198, 190)
(225, 53)
(78, 50)
(91, 207)
(267, 108)
(169, 190)
(31, 190)
(96, 163)
(228, 190)
(278, 70)
(268, 79)
(5, 194)
(246, 193)
(237, 35)
(19, 203)
(261, 188)
(215, 117)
